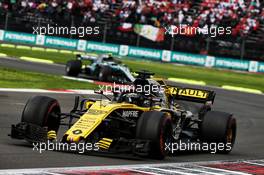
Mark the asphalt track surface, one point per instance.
(55, 69)
(247, 108)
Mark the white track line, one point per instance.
(223, 170)
(78, 79)
(255, 163)
(198, 170)
(144, 172)
(165, 171)
(125, 167)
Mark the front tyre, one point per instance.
(157, 127)
(220, 128)
(42, 111)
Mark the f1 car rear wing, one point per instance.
(191, 94)
(187, 94)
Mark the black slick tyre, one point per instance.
(157, 127)
(73, 68)
(219, 128)
(42, 111)
(105, 74)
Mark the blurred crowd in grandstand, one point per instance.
(246, 17)
(242, 15)
(61, 9)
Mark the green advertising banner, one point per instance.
(102, 47)
(64, 43)
(137, 52)
(144, 53)
(260, 67)
(2, 34)
(19, 37)
(253, 66)
(192, 59)
(228, 63)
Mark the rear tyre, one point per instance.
(157, 127)
(42, 111)
(73, 67)
(220, 128)
(105, 74)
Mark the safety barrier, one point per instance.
(131, 51)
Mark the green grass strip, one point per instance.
(38, 49)
(36, 60)
(12, 78)
(187, 81)
(66, 51)
(241, 89)
(52, 50)
(3, 55)
(78, 53)
(8, 45)
(213, 77)
(23, 47)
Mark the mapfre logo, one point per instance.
(130, 114)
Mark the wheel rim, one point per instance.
(67, 69)
(165, 138)
(229, 136)
(100, 75)
(52, 121)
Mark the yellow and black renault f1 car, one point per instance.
(132, 120)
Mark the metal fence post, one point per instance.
(138, 40)
(208, 44)
(38, 22)
(6, 20)
(72, 25)
(242, 49)
(172, 43)
(105, 33)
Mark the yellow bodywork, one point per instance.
(99, 110)
(51, 135)
(94, 116)
(104, 143)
